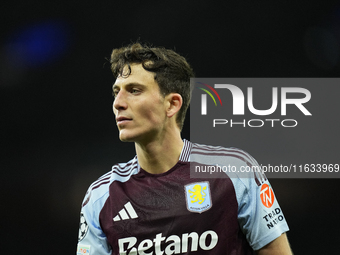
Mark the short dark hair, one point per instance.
(172, 71)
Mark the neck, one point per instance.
(160, 155)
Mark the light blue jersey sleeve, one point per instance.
(91, 239)
(260, 216)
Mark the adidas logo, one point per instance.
(126, 213)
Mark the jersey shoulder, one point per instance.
(219, 152)
(243, 165)
(120, 172)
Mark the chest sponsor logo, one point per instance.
(198, 197)
(267, 195)
(187, 243)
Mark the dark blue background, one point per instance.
(58, 132)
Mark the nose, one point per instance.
(119, 102)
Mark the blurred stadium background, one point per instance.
(58, 132)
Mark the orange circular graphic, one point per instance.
(267, 196)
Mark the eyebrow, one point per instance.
(129, 85)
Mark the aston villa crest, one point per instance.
(198, 197)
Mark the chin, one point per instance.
(140, 136)
(126, 137)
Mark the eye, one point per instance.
(135, 91)
(115, 92)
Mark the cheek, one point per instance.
(156, 115)
(151, 110)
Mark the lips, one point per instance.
(122, 120)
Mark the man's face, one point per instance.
(139, 106)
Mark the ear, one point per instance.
(174, 104)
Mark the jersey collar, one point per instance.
(186, 150)
(185, 153)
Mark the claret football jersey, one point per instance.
(130, 211)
